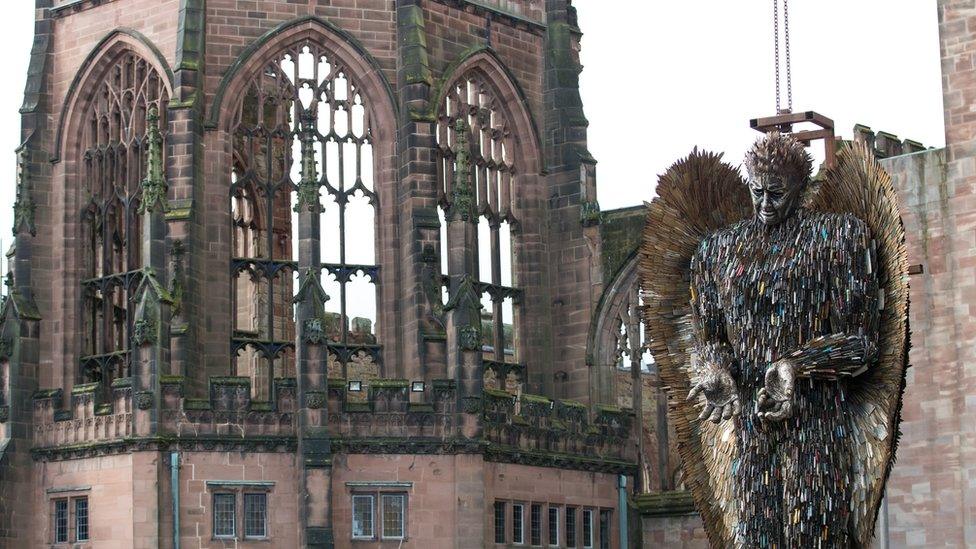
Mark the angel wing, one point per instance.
(698, 195)
(701, 194)
(858, 185)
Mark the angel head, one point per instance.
(779, 171)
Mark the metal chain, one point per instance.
(776, 48)
(789, 75)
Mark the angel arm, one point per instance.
(853, 319)
(711, 339)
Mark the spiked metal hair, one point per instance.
(779, 154)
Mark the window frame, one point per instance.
(213, 522)
(403, 515)
(55, 511)
(606, 533)
(571, 537)
(518, 523)
(372, 517)
(534, 521)
(550, 524)
(501, 509)
(244, 497)
(75, 501)
(587, 523)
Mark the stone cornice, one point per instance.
(348, 445)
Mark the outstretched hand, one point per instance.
(721, 397)
(775, 400)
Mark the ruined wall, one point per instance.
(926, 496)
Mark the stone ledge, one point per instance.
(666, 504)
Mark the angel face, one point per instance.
(774, 197)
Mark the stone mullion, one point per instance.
(311, 352)
(465, 361)
(150, 338)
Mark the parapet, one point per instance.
(543, 431)
(884, 144)
(396, 416)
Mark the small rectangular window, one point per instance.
(535, 524)
(518, 523)
(394, 507)
(362, 517)
(224, 515)
(605, 515)
(553, 526)
(60, 521)
(81, 519)
(588, 528)
(570, 527)
(499, 522)
(255, 515)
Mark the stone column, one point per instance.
(19, 361)
(464, 361)
(311, 355)
(151, 325)
(421, 332)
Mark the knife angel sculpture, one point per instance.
(777, 310)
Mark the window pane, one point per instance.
(499, 522)
(362, 516)
(255, 515)
(570, 527)
(587, 528)
(81, 519)
(535, 525)
(605, 529)
(393, 507)
(60, 521)
(554, 526)
(518, 527)
(224, 515)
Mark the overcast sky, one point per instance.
(662, 77)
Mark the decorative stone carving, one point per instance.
(314, 332)
(308, 186)
(469, 338)
(314, 400)
(154, 185)
(472, 405)
(462, 198)
(4, 414)
(24, 206)
(144, 331)
(144, 400)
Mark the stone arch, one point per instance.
(346, 48)
(512, 100)
(93, 69)
(315, 35)
(610, 341)
(104, 111)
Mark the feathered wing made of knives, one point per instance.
(698, 198)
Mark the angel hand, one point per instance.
(721, 396)
(775, 401)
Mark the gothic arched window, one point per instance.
(113, 153)
(304, 79)
(493, 170)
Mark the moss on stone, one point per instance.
(84, 388)
(389, 383)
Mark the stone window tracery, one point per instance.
(303, 81)
(493, 171)
(113, 164)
